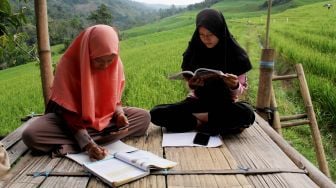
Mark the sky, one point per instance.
(170, 2)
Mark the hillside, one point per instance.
(126, 13)
(153, 51)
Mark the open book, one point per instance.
(180, 75)
(123, 164)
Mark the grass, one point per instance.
(152, 52)
(20, 95)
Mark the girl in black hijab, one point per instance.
(212, 46)
(211, 105)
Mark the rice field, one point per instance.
(310, 39)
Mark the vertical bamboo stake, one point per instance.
(44, 47)
(265, 82)
(268, 23)
(276, 116)
(322, 162)
(265, 73)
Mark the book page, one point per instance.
(200, 70)
(145, 160)
(115, 172)
(179, 76)
(186, 139)
(119, 146)
(112, 148)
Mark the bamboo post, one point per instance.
(322, 162)
(295, 123)
(265, 73)
(293, 117)
(316, 175)
(43, 47)
(284, 77)
(268, 23)
(265, 82)
(276, 117)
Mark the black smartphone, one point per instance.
(201, 139)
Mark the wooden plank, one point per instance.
(314, 174)
(233, 164)
(200, 158)
(66, 165)
(15, 170)
(13, 144)
(16, 151)
(254, 149)
(96, 183)
(15, 136)
(245, 147)
(293, 180)
(32, 164)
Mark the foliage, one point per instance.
(274, 3)
(101, 16)
(175, 10)
(14, 50)
(13, 42)
(64, 31)
(203, 4)
(8, 19)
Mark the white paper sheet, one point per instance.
(186, 139)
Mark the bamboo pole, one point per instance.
(295, 123)
(284, 77)
(314, 173)
(265, 82)
(268, 23)
(276, 117)
(265, 74)
(187, 172)
(313, 122)
(293, 117)
(43, 47)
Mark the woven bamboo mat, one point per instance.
(250, 159)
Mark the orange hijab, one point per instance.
(92, 94)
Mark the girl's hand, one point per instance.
(121, 120)
(95, 151)
(231, 81)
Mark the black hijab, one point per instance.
(226, 56)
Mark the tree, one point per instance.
(8, 19)
(13, 47)
(101, 16)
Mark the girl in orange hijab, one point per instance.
(85, 102)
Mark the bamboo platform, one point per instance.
(251, 159)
